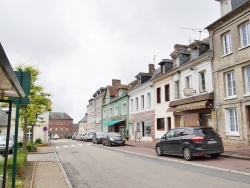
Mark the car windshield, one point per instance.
(91, 133)
(114, 134)
(205, 132)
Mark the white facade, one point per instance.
(162, 106)
(141, 106)
(194, 76)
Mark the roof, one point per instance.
(58, 115)
(113, 91)
(10, 86)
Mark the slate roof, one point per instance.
(59, 115)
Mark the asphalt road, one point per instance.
(91, 165)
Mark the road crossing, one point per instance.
(73, 145)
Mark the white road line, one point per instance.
(65, 146)
(57, 147)
(73, 145)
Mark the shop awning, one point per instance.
(190, 106)
(108, 123)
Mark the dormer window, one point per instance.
(120, 92)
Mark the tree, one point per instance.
(40, 103)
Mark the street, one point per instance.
(91, 165)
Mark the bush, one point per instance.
(19, 144)
(38, 141)
(30, 147)
(20, 166)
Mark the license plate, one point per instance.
(212, 142)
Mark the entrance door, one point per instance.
(207, 120)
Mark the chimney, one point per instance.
(151, 68)
(116, 82)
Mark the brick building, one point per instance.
(60, 123)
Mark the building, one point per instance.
(83, 124)
(230, 42)
(115, 108)
(192, 90)
(141, 107)
(94, 111)
(162, 84)
(60, 123)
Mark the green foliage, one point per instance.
(31, 147)
(19, 144)
(40, 101)
(20, 165)
(38, 141)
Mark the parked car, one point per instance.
(190, 142)
(56, 137)
(74, 135)
(81, 137)
(113, 138)
(78, 136)
(88, 136)
(3, 138)
(97, 137)
(69, 135)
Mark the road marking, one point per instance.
(65, 146)
(73, 145)
(57, 147)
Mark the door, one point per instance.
(177, 141)
(207, 120)
(166, 141)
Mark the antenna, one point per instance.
(196, 30)
(154, 60)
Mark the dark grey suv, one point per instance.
(190, 142)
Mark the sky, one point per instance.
(81, 45)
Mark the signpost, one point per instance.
(45, 134)
(25, 80)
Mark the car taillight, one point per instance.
(197, 139)
(220, 137)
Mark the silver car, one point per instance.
(88, 136)
(3, 143)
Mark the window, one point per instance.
(111, 112)
(131, 105)
(247, 80)
(136, 104)
(187, 82)
(158, 93)
(116, 110)
(149, 100)
(142, 102)
(50, 129)
(245, 34)
(104, 114)
(177, 89)
(56, 129)
(160, 124)
(232, 121)
(167, 98)
(230, 84)
(147, 128)
(61, 129)
(202, 81)
(124, 108)
(67, 129)
(227, 43)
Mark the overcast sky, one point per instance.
(81, 45)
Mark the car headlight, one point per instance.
(111, 139)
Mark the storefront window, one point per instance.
(147, 128)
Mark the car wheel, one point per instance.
(103, 143)
(187, 154)
(109, 144)
(11, 151)
(216, 155)
(158, 150)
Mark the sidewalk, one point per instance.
(47, 171)
(229, 151)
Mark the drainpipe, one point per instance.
(211, 56)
